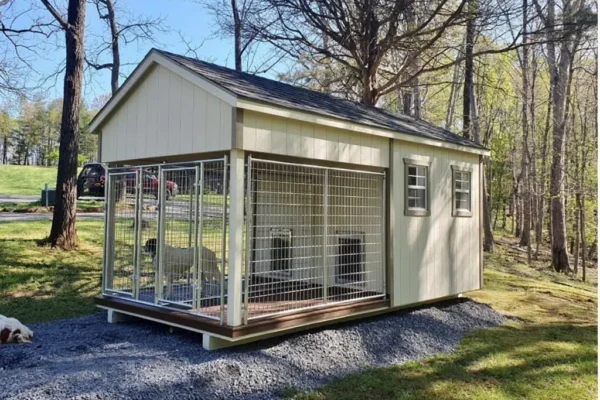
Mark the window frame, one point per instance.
(418, 212)
(459, 212)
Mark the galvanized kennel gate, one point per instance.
(165, 235)
(312, 237)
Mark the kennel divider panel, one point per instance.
(121, 233)
(212, 239)
(177, 259)
(149, 222)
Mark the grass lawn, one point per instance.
(548, 350)
(39, 284)
(25, 179)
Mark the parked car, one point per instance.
(92, 178)
(90, 181)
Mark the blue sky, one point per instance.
(184, 16)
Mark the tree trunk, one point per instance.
(526, 192)
(5, 150)
(543, 174)
(577, 231)
(114, 32)
(558, 74)
(63, 233)
(582, 230)
(469, 66)
(454, 89)
(488, 235)
(417, 98)
(237, 35)
(369, 52)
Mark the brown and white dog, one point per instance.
(178, 260)
(12, 331)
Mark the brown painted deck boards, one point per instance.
(310, 316)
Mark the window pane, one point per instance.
(421, 181)
(462, 201)
(416, 198)
(412, 170)
(421, 200)
(412, 180)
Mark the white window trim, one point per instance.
(417, 212)
(460, 212)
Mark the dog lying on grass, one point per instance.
(179, 261)
(12, 331)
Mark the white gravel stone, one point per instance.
(87, 358)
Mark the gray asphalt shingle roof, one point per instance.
(282, 94)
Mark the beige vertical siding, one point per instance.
(277, 135)
(436, 255)
(166, 115)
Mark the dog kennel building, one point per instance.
(242, 208)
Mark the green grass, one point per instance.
(548, 350)
(40, 284)
(25, 179)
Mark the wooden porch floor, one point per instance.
(300, 317)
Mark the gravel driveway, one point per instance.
(87, 358)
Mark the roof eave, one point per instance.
(251, 104)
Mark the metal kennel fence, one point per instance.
(312, 237)
(165, 235)
(316, 237)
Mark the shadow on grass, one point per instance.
(40, 284)
(504, 362)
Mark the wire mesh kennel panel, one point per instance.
(148, 234)
(355, 235)
(317, 237)
(212, 208)
(176, 243)
(121, 245)
(286, 263)
(166, 235)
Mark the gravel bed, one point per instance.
(87, 358)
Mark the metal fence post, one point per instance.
(248, 237)
(383, 234)
(325, 234)
(200, 230)
(161, 236)
(107, 227)
(195, 275)
(224, 242)
(137, 250)
(191, 207)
